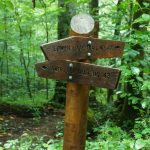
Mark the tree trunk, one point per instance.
(34, 3)
(64, 19)
(113, 61)
(47, 39)
(25, 65)
(94, 11)
(128, 111)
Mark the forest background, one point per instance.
(26, 24)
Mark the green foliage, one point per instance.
(27, 142)
(113, 137)
(109, 137)
(22, 32)
(23, 100)
(24, 29)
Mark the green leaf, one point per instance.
(139, 144)
(140, 79)
(134, 99)
(9, 5)
(146, 4)
(146, 131)
(144, 105)
(1, 5)
(146, 85)
(135, 70)
(143, 18)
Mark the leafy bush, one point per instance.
(110, 137)
(27, 142)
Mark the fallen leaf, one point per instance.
(1, 118)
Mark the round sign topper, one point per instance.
(82, 23)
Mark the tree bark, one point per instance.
(94, 11)
(128, 111)
(64, 19)
(113, 61)
(34, 3)
(25, 65)
(24, 62)
(47, 40)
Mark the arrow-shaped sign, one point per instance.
(78, 48)
(81, 73)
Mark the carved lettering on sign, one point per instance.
(76, 48)
(80, 73)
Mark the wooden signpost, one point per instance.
(79, 48)
(78, 72)
(66, 60)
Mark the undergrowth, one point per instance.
(109, 137)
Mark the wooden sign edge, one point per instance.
(64, 39)
(115, 86)
(79, 38)
(117, 80)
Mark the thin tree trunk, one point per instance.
(47, 33)
(94, 11)
(25, 65)
(2, 64)
(113, 61)
(34, 3)
(64, 19)
(128, 111)
(47, 39)
(6, 43)
(23, 62)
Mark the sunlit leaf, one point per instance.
(135, 70)
(9, 5)
(143, 18)
(139, 144)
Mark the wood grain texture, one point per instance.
(82, 23)
(77, 48)
(81, 73)
(76, 116)
(81, 46)
(77, 97)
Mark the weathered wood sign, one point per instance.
(63, 56)
(81, 73)
(78, 48)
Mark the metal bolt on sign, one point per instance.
(89, 42)
(89, 54)
(70, 77)
(71, 65)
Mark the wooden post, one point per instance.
(77, 95)
(62, 64)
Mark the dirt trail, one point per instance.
(12, 126)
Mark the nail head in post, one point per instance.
(89, 54)
(89, 42)
(71, 65)
(44, 67)
(70, 77)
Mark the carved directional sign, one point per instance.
(81, 73)
(63, 64)
(77, 48)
